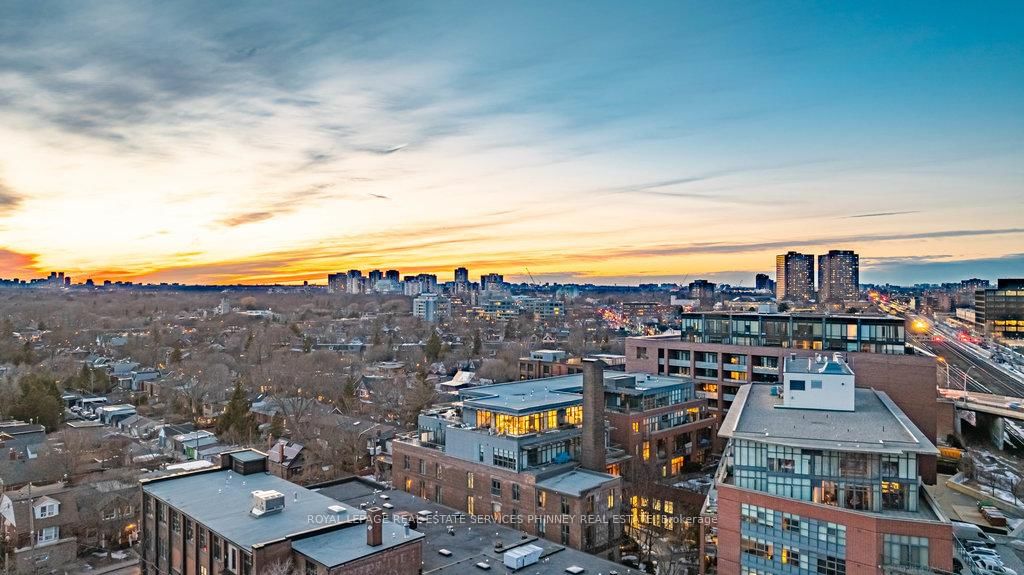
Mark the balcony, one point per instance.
(706, 364)
(741, 367)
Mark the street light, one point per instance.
(966, 373)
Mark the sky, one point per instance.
(587, 141)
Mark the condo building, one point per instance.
(838, 276)
(722, 351)
(794, 277)
(821, 475)
(999, 311)
(539, 452)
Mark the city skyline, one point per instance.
(590, 143)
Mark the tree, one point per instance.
(477, 343)
(276, 426)
(39, 401)
(236, 421)
(176, 354)
(433, 348)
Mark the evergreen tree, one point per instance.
(478, 344)
(276, 426)
(433, 348)
(39, 401)
(236, 417)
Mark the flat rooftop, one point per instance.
(536, 394)
(470, 540)
(341, 546)
(876, 424)
(814, 365)
(575, 482)
(222, 500)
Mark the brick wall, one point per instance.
(864, 532)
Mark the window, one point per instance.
(541, 525)
(815, 384)
(47, 535)
(216, 548)
(565, 506)
(828, 565)
(756, 547)
(405, 462)
(797, 385)
(188, 530)
(176, 522)
(49, 509)
(504, 458)
(469, 480)
(905, 550)
(565, 534)
(310, 567)
(636, 427)
(515, 492)
(496, 487)
(641, 353)
(542, 498)
(423, 467)
(437, 471)
(109, 514)
(470, 505)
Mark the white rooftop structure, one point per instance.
(821, 382)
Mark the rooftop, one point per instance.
(818, 364)
(341, 546)
(222, 500)
(467, 541)
(534, 394)
(876, 424)
(575, 482)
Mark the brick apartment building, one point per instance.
(240, 520)
(556, 362)
(821, 475)
(722, 351)
(524, 454)
(546, 447)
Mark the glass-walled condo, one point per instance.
(539, 422)
(876, 482)
(874, 334)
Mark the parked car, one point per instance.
(983, 565)
(967, 531)
(985, 552)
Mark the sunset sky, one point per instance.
(588, 141)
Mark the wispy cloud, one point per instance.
(882, 214)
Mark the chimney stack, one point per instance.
(593, 454)
(374, 527)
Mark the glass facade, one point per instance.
(773, 541)
(873, 334)
(851, 480)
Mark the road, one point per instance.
(964, 360)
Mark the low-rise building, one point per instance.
(239, 519)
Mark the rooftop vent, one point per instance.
(483, 565)
(267, 502)
(574, 569)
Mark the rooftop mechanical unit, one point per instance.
(267, 502)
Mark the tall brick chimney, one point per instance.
(374, 526)
(593, 456)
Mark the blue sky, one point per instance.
(596, 141)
